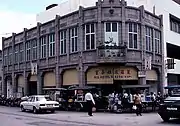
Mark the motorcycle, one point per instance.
(117, 107)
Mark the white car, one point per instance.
(39, 103)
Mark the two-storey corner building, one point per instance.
(108, 45)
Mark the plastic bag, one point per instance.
(93, 109)
(134, 107)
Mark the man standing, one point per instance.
(90, 102)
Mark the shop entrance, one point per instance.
(32, 87)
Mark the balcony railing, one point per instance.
(111, 54)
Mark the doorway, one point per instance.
(32, 87)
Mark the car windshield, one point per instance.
(43, 99)
(172, 99)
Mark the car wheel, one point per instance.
(165, 118)
(22, 109)
(34, 110)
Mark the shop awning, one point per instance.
(136, 86)
(172, 86)
(56, 89)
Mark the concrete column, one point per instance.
(99, 38)
(81, 47)
(26, 87)
(68, 45)
(3, 85)
(57, 77)
(81, 73)
(60, 79)
(163, 74)
(57, 43)
(142, 80)
(124, 36)
(13, 62)
(39, 84)
(38, 42)
(14, 84)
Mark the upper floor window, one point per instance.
(174, 23)
(43, 46)
(10, 56)
(111, 33)
(5, 57)
(28, 51)
(175, 26)
(149, 43)
(51, 39)
(16, 48)
(21, 52)
(157, 41)
(63, 42)
(74, 39)
(133, 35)
(90, 36)
(34, 49)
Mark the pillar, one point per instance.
(39, 83)
(26, 88)
(57, 77)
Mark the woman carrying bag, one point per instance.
(138, 104)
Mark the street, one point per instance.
(12, 116)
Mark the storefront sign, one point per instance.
(108, 75)
(114, 74)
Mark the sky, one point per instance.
(15, 15)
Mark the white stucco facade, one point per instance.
(160, 7)
(63, 9)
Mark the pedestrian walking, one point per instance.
(153, 99)
(90, 102)
(138, 104)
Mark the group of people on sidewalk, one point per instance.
(136, 99)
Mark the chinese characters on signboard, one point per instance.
(113, 74)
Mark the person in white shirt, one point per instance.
(90, 102)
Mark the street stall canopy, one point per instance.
(172, 87)
(55, 89)
(136, 86)
(81, 88)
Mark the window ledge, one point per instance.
(158, 54)
(44, 58)
(74, 52)
(51, 57)
(63, 54)
(89, 50)
(133, 49)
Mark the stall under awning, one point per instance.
(136, 86)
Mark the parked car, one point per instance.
(39, 103)
(170, 108)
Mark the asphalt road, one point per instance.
(13, 117)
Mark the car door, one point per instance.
(26, 103)
(31, 103)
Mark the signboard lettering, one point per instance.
(113, 74)
(122, 71)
